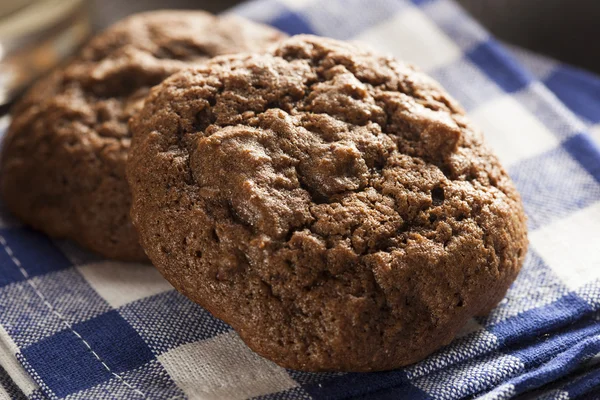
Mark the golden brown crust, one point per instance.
(63, 164)
(334, 206)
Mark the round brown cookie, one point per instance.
(336, 207)
(63, 164)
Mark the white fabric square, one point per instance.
(223, 367)
(480, 90)
(513, 132)
(259, 11)
(296, 4)
(452, 19)
(120, 283)
(570, 246)
(595, 132)
(338, 18)
(412, 37)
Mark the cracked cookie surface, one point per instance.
(63, 164)
(335, 206)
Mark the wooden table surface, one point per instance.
(565, 29)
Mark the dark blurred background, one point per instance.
(568, 30)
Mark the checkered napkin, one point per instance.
(79, 327)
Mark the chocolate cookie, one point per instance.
(63, 164)
(335, 206)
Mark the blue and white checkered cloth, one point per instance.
(75, 326)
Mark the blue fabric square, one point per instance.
(46, 257)
(67, 365)
(117, 343)
(292, 24)
(586, 384)
(501, 68)
(558, 366)
(584, 150)
(579, 90)
(352, 385)
(405, 391)
(532, 323)
(293, 393)
(547, 184)
(169, 319)
(545, 347)
(10, 272)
